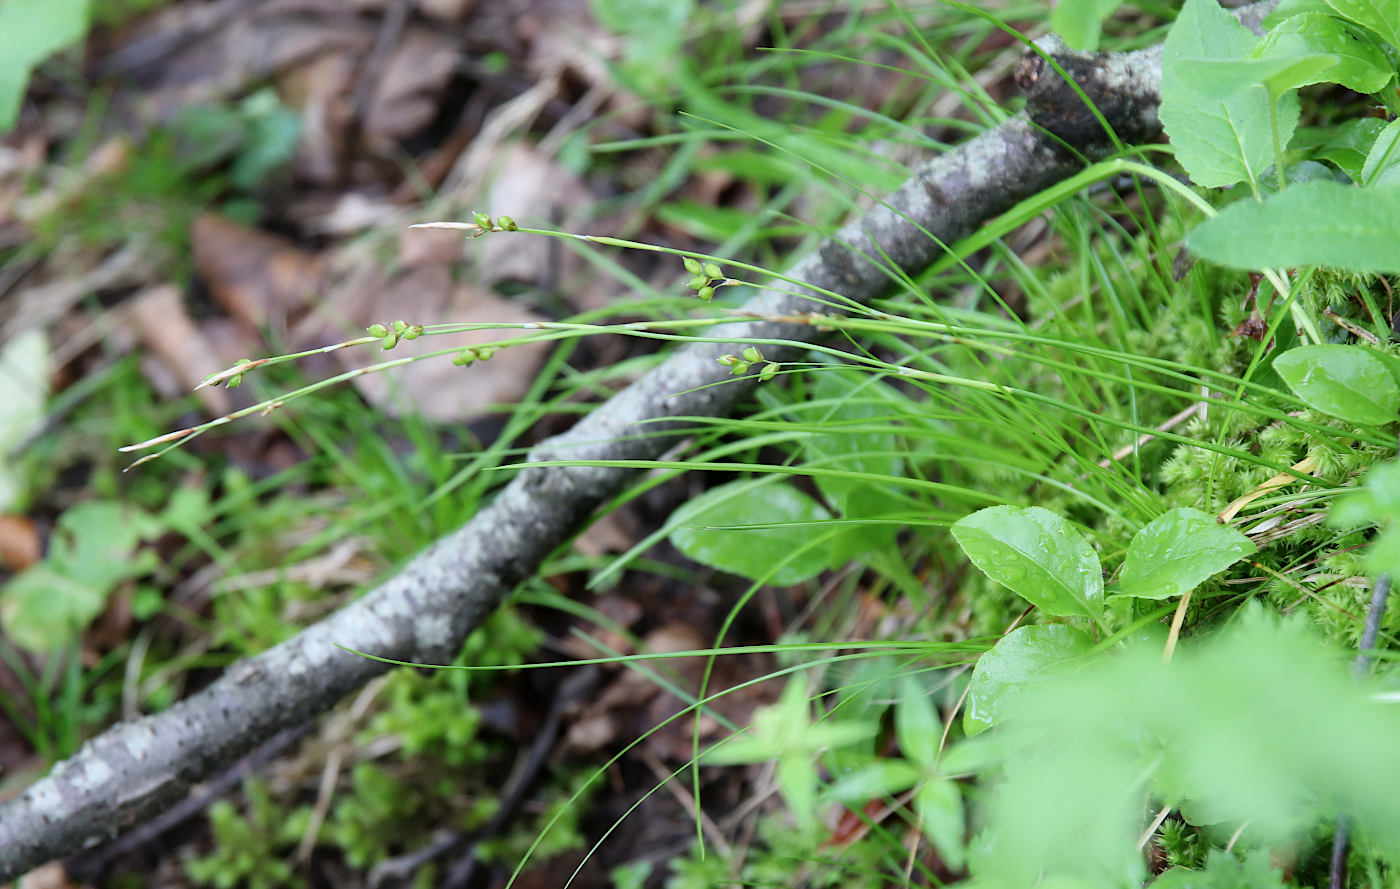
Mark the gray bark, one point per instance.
(422, 615)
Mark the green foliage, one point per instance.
(1354, 62)
(1181, 844)
(251, 849)
(1037, 555)
(1012, 664)
(379, 816)
(1288, 740)
(255, 137)
(763, 531)
(786, 732)
(1077, 21)
(94, 548)
(31, 31)
(205, 158)
(1349, 382)
(1312, 223)
(1383, 160)
(1381, 18)
(1177, 552)
(654, 31)
(947, 406)
(431, 718)
(1219, 140)
(1225, 871)
(1377, 502)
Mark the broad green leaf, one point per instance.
(1382, 166)
(1078, 21)
(853, 413)
(1361, 65)
(916, 723)
(1177, 551)
(782, 554)
(93, 548)
(939, 804)
(1222, 79)
(31, 31)
(1037, 555)
(860, 403)
(873, 780)
(1350, 144)
(1003, 673)
(1381, 16)
(43, 609)
(1314, 223)
(1288, 8)
(24, 380)
(1347, 382)
(1219, 142)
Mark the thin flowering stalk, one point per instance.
(805, 289)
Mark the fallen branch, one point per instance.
(135, 769)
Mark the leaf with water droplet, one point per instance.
(1036, 554)
(1177, 551)
(1003, 672)
(1348, 382)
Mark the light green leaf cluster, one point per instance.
(94, 547)
(31, 31)
(654, 31)
(1042, 558)
(786, 732)
(1220, 140)
(1261, 726)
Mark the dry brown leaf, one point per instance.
(535, 191)
(49, 876)
(607, 534)
(20, 546)
(446, 10)
(429, 246)
(436, 388)
(176, 342)
(259, 279)
(407, 97)
(249, 49)
(17, 167)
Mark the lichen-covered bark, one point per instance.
(423, 613)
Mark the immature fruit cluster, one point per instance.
(389, 336)
(485, 223)
(473, 353)
(707, 277)
(236, 380)
(751, 355)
